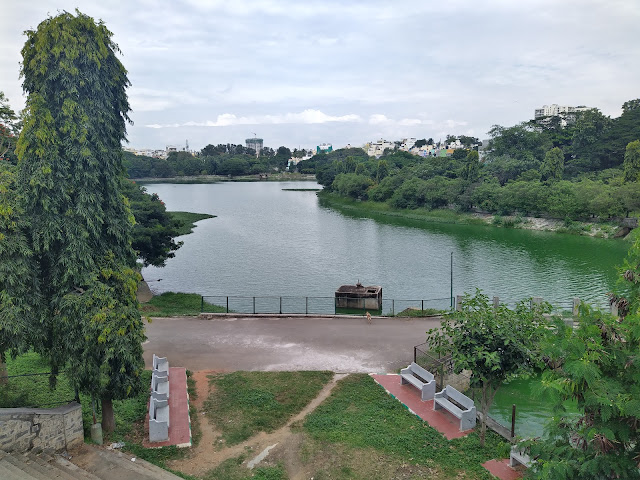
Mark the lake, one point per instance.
(269, 241)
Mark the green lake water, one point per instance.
(269, 241)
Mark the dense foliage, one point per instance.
(584, 170)
(154, 230)
(493, 342)
(81, 308)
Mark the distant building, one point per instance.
(376, 149)
(407, 144)
(255, 144)
(324, 147)
(566, 113)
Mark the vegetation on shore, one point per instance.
(367, 208)
(584, 170)
(178, 304)
(186, 221)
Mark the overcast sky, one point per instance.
(299, 73)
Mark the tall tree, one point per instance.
(70, 170)
(494, 343)
(632, 162)
(9, 129)
(553, 164)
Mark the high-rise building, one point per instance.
(255, 144)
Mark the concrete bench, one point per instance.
(160, 365)
(159, 386)
(420, 378)
(158, 420)
(519, 457)
(466, 412)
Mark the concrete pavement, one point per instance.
(279, 342)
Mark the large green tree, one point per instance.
(155, 229)
(9, 128)
(494, 342)
(553, 164)
(69, 187)
(632, 162)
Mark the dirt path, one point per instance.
(205, 456)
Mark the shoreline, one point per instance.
(368, 208)
(204, 179)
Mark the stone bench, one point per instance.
(158, 420)
(420, 378)
(466, 411)
(519, 457)
(160, 365)
(159, 386)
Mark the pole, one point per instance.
(513, 421)
(452, 280)
(201, 303)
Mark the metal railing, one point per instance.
(314, 305)
(14, 391)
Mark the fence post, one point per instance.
(613, 308)
(201, 303)
(513, 421)
(306, 305)
(459, 303)
(227, 303)
(414, 355)
(393, 307)
(254, 305)
(422, 307)
(280, 305)
(576, 307)
(535, 301)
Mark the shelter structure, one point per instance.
(359, 296)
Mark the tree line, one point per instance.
(585, 170)
(222, 159)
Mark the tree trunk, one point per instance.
(108, 420)
(4, 379)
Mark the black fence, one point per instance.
(32, 390)
(315, 305)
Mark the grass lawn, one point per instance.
(360, 417)
(245, 403)
(188, 220)
(172, 304)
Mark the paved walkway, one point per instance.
(287, 343)
(446, 424)
(179, 422)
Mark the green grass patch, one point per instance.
(361, 415)
(233, 469)
(172, 304)
(372, 209)
(415, 312)
(245, 403)
(187, 220)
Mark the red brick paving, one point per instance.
(179, 423)
(409, 395)
(502, 470)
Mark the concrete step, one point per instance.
(9, 472)
(61, 466)
(29, 468)
(145, 469)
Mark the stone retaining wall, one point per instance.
(23, 429)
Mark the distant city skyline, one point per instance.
(300, 74)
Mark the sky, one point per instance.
(300, 73)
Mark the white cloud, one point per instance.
(308, 116)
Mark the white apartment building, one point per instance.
(407, 144)
(555, 109)
(376, 149)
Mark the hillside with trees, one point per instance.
(586, 170)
